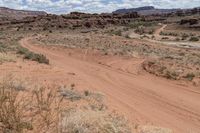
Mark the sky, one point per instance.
(93, 6)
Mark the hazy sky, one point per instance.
(94, 6)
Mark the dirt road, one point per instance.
(182, 44)
(172, 42)
(141, 97)
(158, 31)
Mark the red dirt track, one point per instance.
(141, 97)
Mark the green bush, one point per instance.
(36, 57)
(168, 34)
(22, 50)
(3, 47)
(140, 30)
(118, 33)
(190, 76)
(194, 39)
(32, 56)
(171, 75)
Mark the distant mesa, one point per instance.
(146, 10)
(7, 13)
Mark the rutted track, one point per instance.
(141, 97)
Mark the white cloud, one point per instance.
(65, 6)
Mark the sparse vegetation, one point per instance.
(168, 34)
(194, 39)
(5, 57)
(175, 62)
(117, 32)
(184, 36)
(190, 76)
(165, 38)
(12, 109)
(127, 36)
(36, 57)
(177, 39)
(107, 45)
(3, 47)
(90, 121)
(137, 24)
(171, 75)
(10, 45)
(49, 111)
(32, 56)
(140, 30)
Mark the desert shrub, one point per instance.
(162, 33)
(32, 56)
(171, 75)
(140, 30)
(70, 94)
(168, 34)
(190, 76)
(47, 106)
(184, 36)
(137, 24)
(194, 39)
(153, 129)
(36, 57)
(177, 39)
(125, 29)
(127, 36)
(3, 47)
(118, 33)
(173, 34)
(22, 109)
(4, 57)
(12, 110)
(43, 109)
(86, 93)
(90, 121)
(22, 50)
(165, 38)
(151, 31)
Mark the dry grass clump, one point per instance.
(23, 110)
(13, 105)
(90, 121)
(5, 57)
(70, 94)
(3, 47)
(152, 129)
(46, 109)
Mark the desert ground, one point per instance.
(148, 73)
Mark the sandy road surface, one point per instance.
(141, 97)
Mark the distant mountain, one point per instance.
(146, 10)
(7, 13)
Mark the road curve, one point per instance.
(141, 97)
